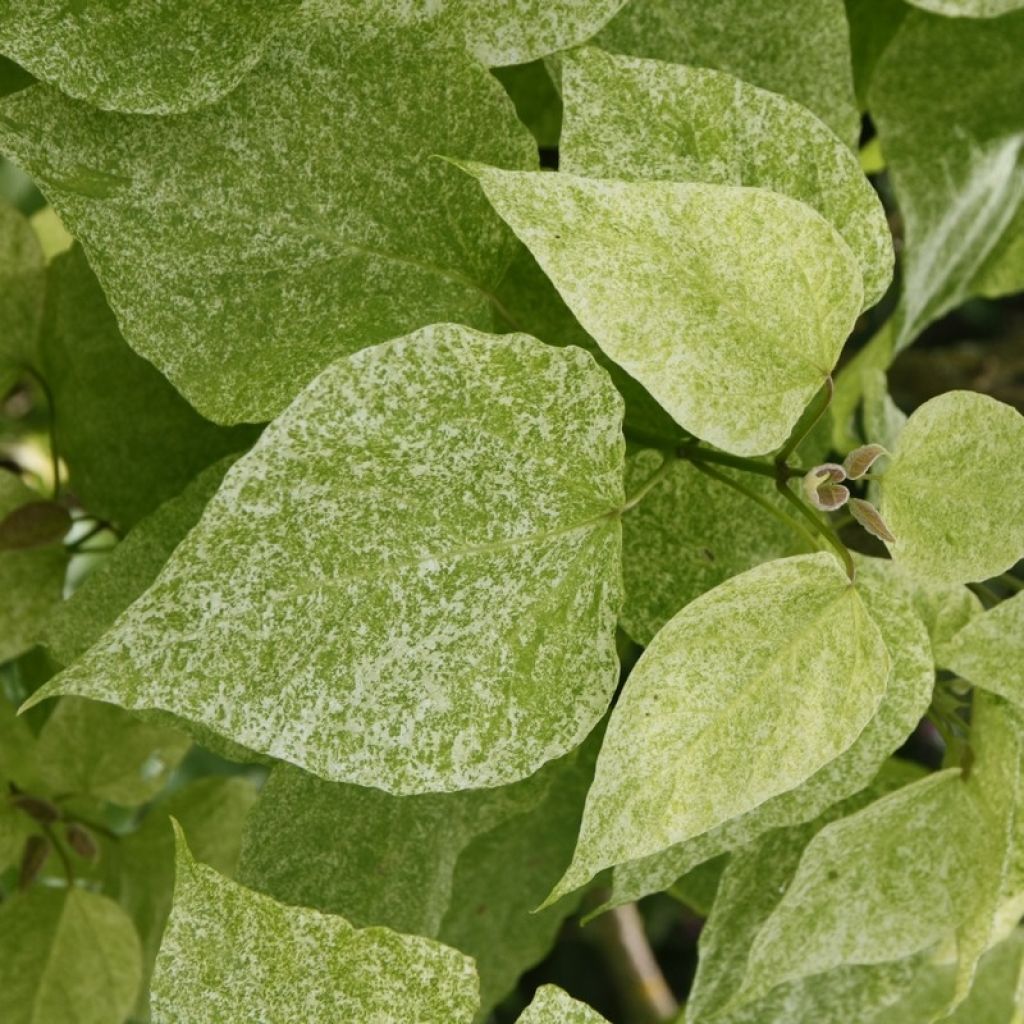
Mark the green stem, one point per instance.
(88, 535)
(808, 421)
(51, 425)
(760, 501)
(819, 527)
(989, 598)
(667, 462)
(1011, 581)
(65, 860)
(692, 453)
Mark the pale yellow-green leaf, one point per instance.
(989, 650)
(908, 693)
(53, 236)
(551, 1005)
(233, 956)
(650, 120)
(951, 492)
(729, 304)
(745, 694)
(245, 246)
(800, 49)
(410, 582)
(67, 956)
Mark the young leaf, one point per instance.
(66, 955)
(31, 580)
(234, 956)
(800, 49)
(156, 58)
(553, 1006)
(648, 120)
(745, 694)
(397, 586)
(74, 625)
(874, 887)
(464, 868)
(955, 166)
(129, 439)
(951, 492)
(869, 517)
(99, 750)
(263, 284)
(732, 343)
(907, 695)
(688, 535)
(989, 650)
(861, 459)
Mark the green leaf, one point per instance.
(673, 282)
(302, 242)
(989, 650)
(66, 955)
(102, 751)
(907, 696)
(129, 439)
(74, 625)
(689, 534)
(995, 997)
(22, 293)
(464, 868)
(232, 955)
(211, 813)
(799, 49)
(157, 58)
(538, 104)
(551, 1005)
(31, 580)
(874, 887)
(969, 8)
(956, 167)
(745, 694)
(951, 492)
(872, 26)
(648, 120)
(387, 593)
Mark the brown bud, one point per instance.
(36, 807)
(33, 860)
(823, 487)
(34, 525)
(81, 840)
(861, 459)
(871, 519)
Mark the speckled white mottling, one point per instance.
(411, 581)
(245, 246)
(800, 48)
(146, 56)
(956, 163)
(232, 956)
(745, 694)
(729, 304)
(989, 650)
(907, 696)
(648, 120)
(951, 493)
(551, 1005)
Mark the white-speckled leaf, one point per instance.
(689, 534)
(951, 493)
(800, 49)
(66, 955)
(650, 120)
(22, 292)
(465, 868)
(874, 887)
(102, 751)
(129, 440)
(74, 625)
(157, 57)
(745, 694)
(498, 32)
(989, 650)
(234, 956)
(551, 1005)
(969, 8)
(729, 304)
(906, 699)
(957, 166)
(31, 580)
(246, 245)
(411, 581)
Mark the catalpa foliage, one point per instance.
(451, 492)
